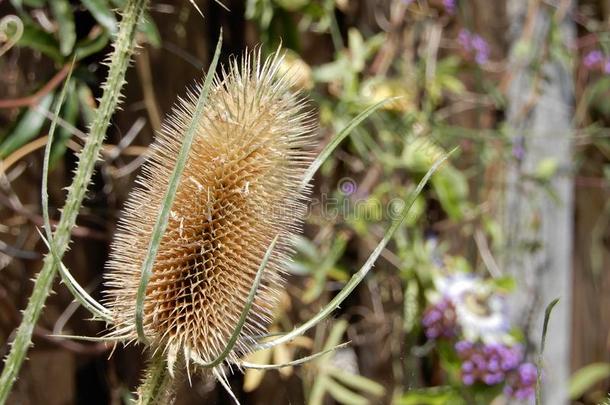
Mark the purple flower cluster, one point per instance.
(595, 60)
(440, 320)
(474, 46)
(487, 363)
(450, 6)
(521, 384)
(493, 364)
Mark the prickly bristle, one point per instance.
(241, 187)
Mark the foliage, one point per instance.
(427, 78)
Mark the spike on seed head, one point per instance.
(241, 187)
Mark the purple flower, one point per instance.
(489, 364)
(449, 6)
(593, 58)
(519, 148)
(481, 49)
(521, 385)
(474, 45)
(467, 379)
(464, 39)
(607, 66)
(463, 347)
(440, 320)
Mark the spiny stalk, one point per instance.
(119, 61)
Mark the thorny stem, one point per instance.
(119, 61)
(155, 389)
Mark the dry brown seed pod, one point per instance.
(241, 187)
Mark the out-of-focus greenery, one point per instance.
(437, 84)
(447, 82)
(63, 47)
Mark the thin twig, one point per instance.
(34, 98)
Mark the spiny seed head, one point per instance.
(240, 188)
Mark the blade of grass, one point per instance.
(359, 276)
(168, 200)
(296, 362)
(339, 137)
(78, 292)
(356, 381)
(545, 325)
(123, 49)
(47, 154)
(344, 395)
(88, 338)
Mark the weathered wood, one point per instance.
(538, 220)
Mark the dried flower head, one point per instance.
(241, 187)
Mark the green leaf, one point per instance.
(332, 71)
(28, 128)
(337, 138)
(148, 27)
(62, 12)
(79, 293)
(87, 159)
(299, 268)
(357, 382)
(430, 396)
(344, 395)
(545, 325)
(366, 267)
(546, 169)
(452, 191)
(411, 305)
(87, 103)
(324, 267)
(452, 83)
(45, 165)
(69, 113)
(296, 362)
(305, 247)
(316, 395)
(420, 152)
(100, 10)
(89, 46)
(506, 284)
(357, 49)
(35, 38)
(335, 335)
(98, 311)
(292, 5)
(586, 377)
(34, 3)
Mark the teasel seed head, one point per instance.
(241, 187)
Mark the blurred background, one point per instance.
(453, 311)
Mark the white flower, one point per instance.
(480, 311)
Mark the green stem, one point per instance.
(119, 62)
(156, 388)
